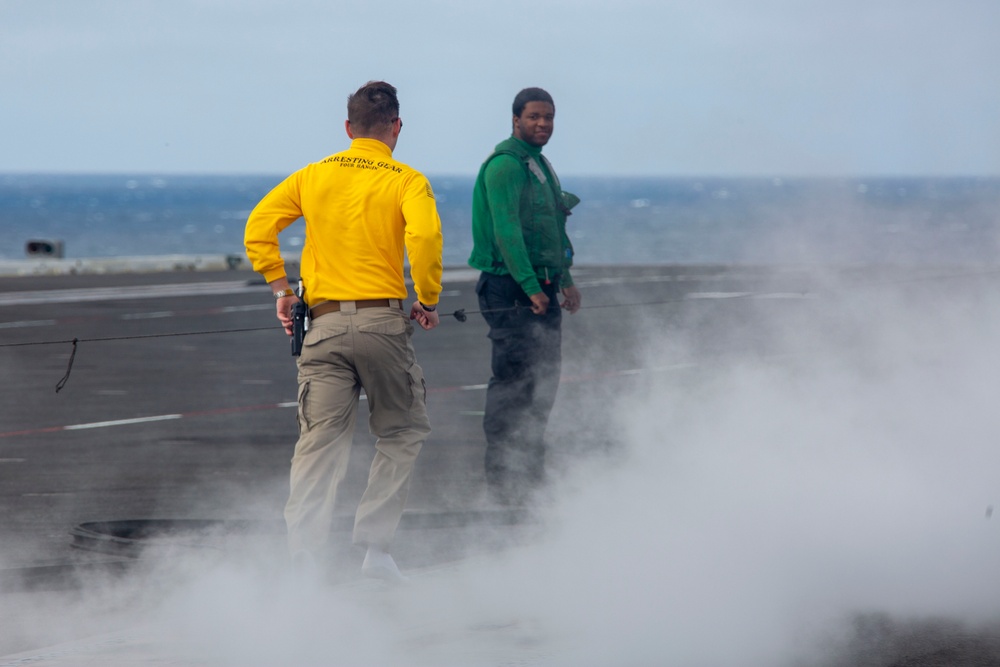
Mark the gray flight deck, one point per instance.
(172, 432)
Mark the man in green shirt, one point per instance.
(519, 243)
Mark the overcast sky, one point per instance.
(692, 87)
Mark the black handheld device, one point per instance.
(300, 314)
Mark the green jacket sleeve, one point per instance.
(505, 180)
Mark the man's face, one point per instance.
(534, 125)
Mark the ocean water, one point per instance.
(769, 221)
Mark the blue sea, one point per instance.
(763, 221)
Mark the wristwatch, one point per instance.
(429, 309)
(288, 291)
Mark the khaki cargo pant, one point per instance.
(344, 352)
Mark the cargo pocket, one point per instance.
(416, 415)
(386, 343)
(303, 413)
(418, 387)
(395, 325)
(317, 345)
(321, 332)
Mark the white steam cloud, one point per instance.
(749, 511)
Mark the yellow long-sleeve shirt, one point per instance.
(361, 209)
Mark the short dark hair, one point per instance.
(373, 107)
(530, 95)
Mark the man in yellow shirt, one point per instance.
(362, 209)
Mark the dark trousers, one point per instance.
(526, 364)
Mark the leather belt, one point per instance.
(334, 306)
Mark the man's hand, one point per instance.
(283, 306)
(539, 303)
(573, 299)
(428, 319)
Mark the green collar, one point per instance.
(534, 151)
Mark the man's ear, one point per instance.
(347, 128)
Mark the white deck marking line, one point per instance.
(787, 295)
(122, 422)
(294, 404)
(143, 316)
(124, 292)
(752, 295)
(27, 323)
(717, 295)
(127, 292)
(242, 309)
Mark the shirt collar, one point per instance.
(371, 145)
(533, 150)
